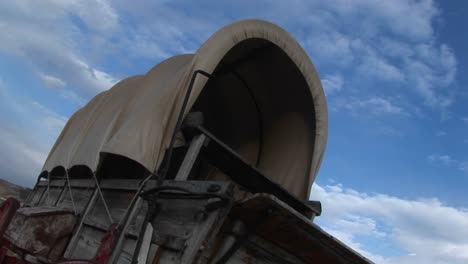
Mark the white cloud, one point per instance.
(409, 19)
(409, 56)
(21, 157)
(406, 228)
(28, 130)
(51, 81)
(441, 133)
(463, 166)
(98, 15)
(332, 83)
(47, 36)
(449, 161)
(377, 66)
(373, 105)
(332, 46)
(444, 159)
(392, 40)
(430, 71)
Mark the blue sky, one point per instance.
(394, 178)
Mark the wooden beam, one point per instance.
(76, 236)
(190, 158)
(246, 175)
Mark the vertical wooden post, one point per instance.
(190, 158)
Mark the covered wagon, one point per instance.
(206, 158)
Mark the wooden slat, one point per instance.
(53, 183)
(244, 174)
(118, 247)
(190, 158)
(120, 184)
(49, 198)
(81, 198)
(192, 186)
(82, 183)
(36, 196)
(257, 250)
(295, 233)
(184, 228)
(145, 246)
(78, 232)
(86, 246)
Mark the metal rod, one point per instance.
(60, 195)
(98, 188)
(70, 190)
(48, 186)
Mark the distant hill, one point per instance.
(8, 189)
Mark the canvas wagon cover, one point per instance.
(137, 116)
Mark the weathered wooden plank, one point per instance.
(53, 183)
(293, 232)
(90, 239)
(120, 184)
(78, 231)
(82, 183)
(186, 224)
(50, 197)
(137, 222)
(40, 230)
(153, 254)
(126, 253)
(36, 196)
(81, 198)
(230, 232)
(133, 211)
(220, 187)
(257, 250)
(201, 235)
(117, 201)
(234, 166)
(145, 246)
(191, 157)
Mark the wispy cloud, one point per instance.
(441, 133)
(406, 228)
(391, 41)
(463, 166)
(379, 67)
(332, 83)
(410, 57)
(447, 160)
(444, 159)
(28, 130)
(373, 106)
(46, 36)
(52, 81)
(434, 69)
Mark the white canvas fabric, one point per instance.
(265, 101)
